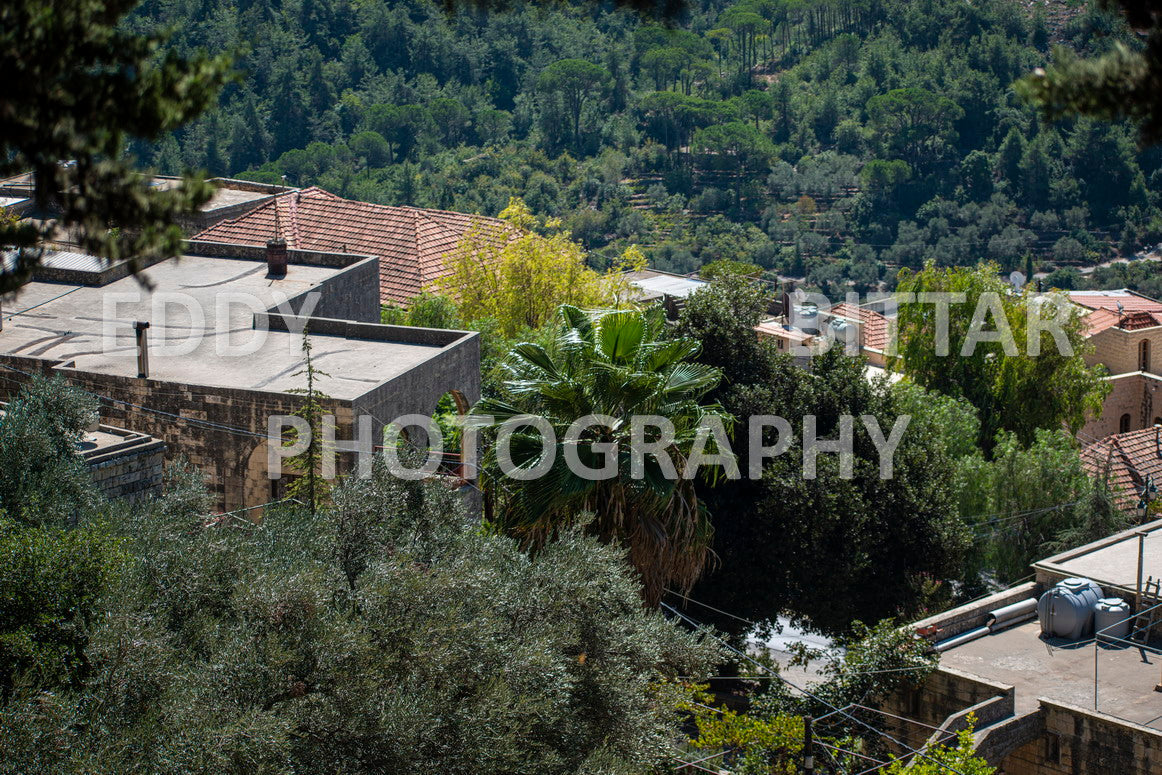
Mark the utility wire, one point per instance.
(812, 696)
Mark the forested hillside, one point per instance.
(833, 139)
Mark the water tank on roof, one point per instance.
(806, 317)
(1066, 611)
(1111, 618)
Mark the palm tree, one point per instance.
(614, 365)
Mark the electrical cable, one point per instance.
(810, 695)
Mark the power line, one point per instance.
(812, 696)
(46, 301)
(712, 608)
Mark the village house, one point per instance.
(1125, 329)
(171, 360)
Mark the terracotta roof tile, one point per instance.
(410, 242)
(1101, 319)
(1131, 457)
(1133, 320)
(875, 326)
(1130, 301)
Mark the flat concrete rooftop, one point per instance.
(1110, 562)
(91, 328)
(652, 283)
(225, 195)
(1063, 671)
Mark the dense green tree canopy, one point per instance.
(632, 132)
(828, 549)
(992, 345)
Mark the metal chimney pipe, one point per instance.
(276, 258)
(139, 328)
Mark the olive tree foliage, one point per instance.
(385, 635)
(43, 480)
(77, 86)
(51, 577)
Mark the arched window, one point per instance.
(1144, 355)
(1124, 423)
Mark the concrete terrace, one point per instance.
(1059, 670)
(91, 329)
(1111, 562)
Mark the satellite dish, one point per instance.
(1017, 279)
(1121, 309)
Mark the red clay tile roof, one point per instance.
(1137, 312)
(410, 242)
(1130, 457)
(1139, 319)
(1101, 319)
(1130, 301)
(875, 325)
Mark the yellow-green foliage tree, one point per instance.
(946, 759)
(520, 279)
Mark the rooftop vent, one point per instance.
(139, 328)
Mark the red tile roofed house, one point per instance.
(411, 243)
(1128, 459)
(1125, 329)
(874, 330)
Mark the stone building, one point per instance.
(1047, 705)
(222, 352)
(124, 464)
(1125, 329)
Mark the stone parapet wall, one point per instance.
(1077, 741)
(132, 474)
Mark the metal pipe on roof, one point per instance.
(1011, 614)
(995, 621)
(959, 640)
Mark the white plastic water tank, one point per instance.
(1066, 611)
(1111, 618)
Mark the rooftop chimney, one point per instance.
(276, 258)
(139, 328)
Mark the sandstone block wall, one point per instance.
(1077, 741)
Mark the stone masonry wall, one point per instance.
(223, 456)
(1118, 349)
(943, 693)
(131, 475)
(1077, 741)
(1135, 395)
